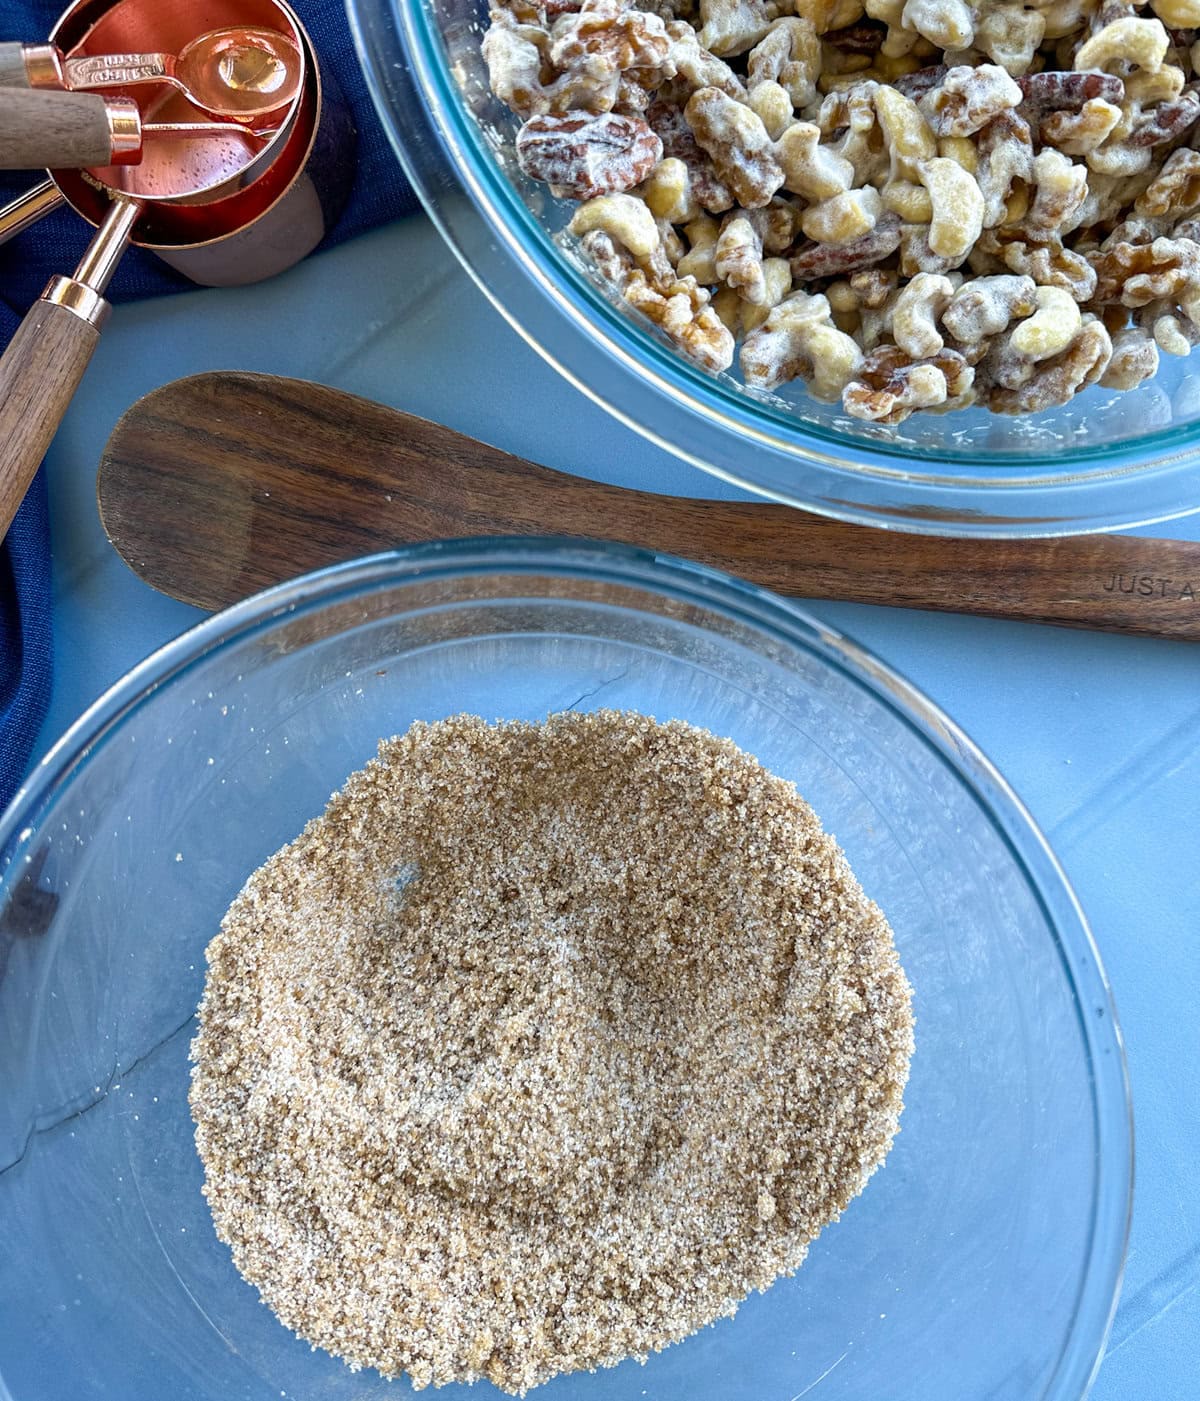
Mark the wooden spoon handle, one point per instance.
(39, 373)
(216, 486)
(62, 130)
(1111, 583)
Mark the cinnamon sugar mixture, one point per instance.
(543, 1047)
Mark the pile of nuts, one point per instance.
(906, 204)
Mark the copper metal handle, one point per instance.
(66, 130)
(27, 209)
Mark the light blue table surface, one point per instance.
(1097, 734)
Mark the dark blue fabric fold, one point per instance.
(380, 194)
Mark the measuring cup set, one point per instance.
(199, 129)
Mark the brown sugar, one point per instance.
(543, 1047)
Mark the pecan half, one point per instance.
(584, 156)
(813, 260)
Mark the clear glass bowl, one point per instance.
(1105, 461)
(982, 1261)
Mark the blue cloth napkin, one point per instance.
(380, 193)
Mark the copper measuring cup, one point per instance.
(221, 223)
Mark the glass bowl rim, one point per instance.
(783, 622)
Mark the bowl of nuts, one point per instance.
(926, 264)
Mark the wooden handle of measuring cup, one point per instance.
(13, 73)
(43, 130)
(31, 66)
(39, 373)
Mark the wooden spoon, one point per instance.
(216, 486)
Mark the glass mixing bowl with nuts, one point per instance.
(923, 263)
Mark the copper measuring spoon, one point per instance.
(220, 211)
(240, 72)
